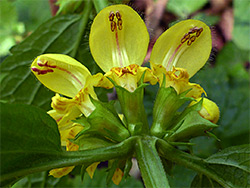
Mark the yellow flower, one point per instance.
(179, 53)
(66, 76)
(118, 42)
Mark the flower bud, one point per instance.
(209, 110)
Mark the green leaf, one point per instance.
(57, 35)
(30, 142)
(29, 139)
(229, 170)
(183, 8)
(237, 156)
(241, 24)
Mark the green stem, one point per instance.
(64, 159)
(84, 21)
(195, 163)
(100, 4)
(150, 164)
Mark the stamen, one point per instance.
(116, 25)
(113, 26)
(119, 23)
(199, 32)
(111, 16)
(189, 37)
(185, 38)
(118, 15)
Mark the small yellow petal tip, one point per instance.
(59, 172)
(117, 177)
(91, 169)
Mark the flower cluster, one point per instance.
(118, 42)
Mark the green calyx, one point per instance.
(133, 109)
(165, 110)
(175, 126)
(189, 124)
(105, 122)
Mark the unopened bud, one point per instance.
(209, 110)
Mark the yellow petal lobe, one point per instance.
(118, 37)
(186, 45)
(117, 177)
(128, 77)
(91, 169)
(178, 78)
(59, 172)
(60, 73)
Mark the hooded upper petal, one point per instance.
(118, 37)
(60, 73)
(186, 45)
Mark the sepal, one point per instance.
(192, 126)
(133, 109)
(165, 110)
(127, 168)
(91, 141)
(104, 121)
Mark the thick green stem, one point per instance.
(195, 163)
(150, 164)
(63, 159)
(84, 21)
(100, 4)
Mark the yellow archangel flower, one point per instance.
(179, 53)
(66, 76)
(118, 42)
